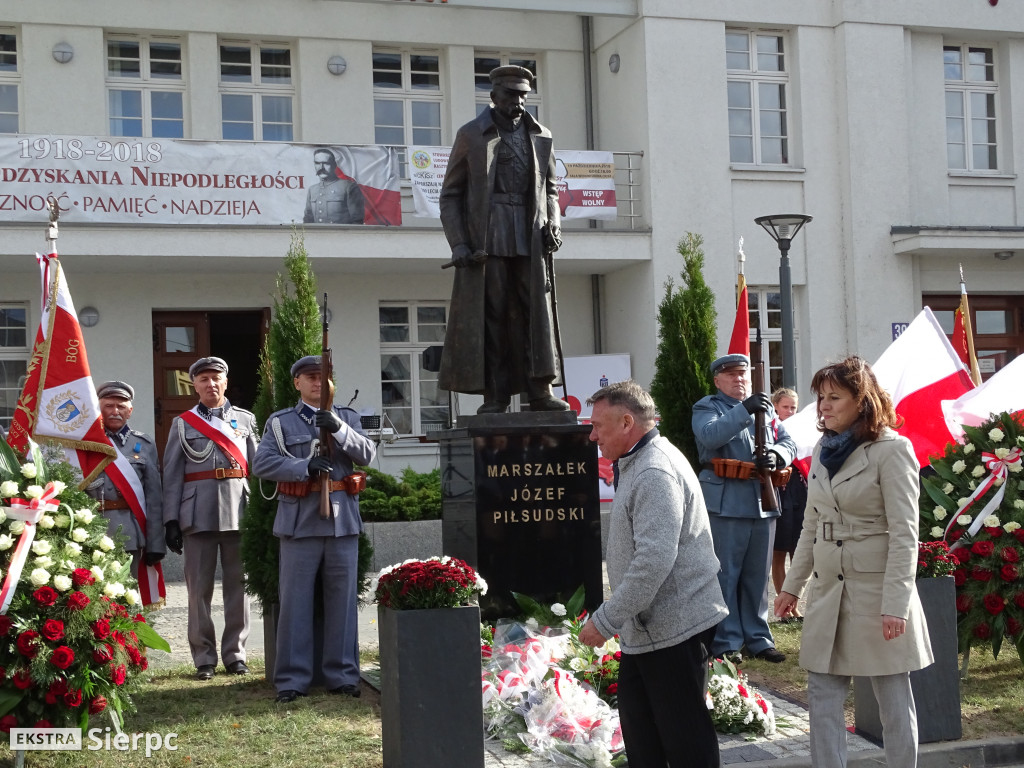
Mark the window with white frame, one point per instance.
(9, 81)
(145, 87)
(411, 336)
(256, 91)
(757, 92)
(485, 61)
(765, 306)
(407, 98)
(14, 355)
(971, 90)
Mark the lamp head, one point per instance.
(783, 226)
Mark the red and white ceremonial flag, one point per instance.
(1002, 393)
(919, 370)
(963, 334)
(739, 343)
(375, 170)
(59, 404)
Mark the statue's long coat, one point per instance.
(465, 211)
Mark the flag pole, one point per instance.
(741, 257)
(969, 331)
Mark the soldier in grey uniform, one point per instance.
(334, 200)
(116, 405)
(310, 543)
(206, 462)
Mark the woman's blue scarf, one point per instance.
(836, 449)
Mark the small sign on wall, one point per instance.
(897, 329)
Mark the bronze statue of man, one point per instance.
(499, 208)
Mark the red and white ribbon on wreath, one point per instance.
(30, 511)
(1000, 470)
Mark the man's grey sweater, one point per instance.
(661, 560)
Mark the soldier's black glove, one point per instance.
(152, 558)
(173, 538)
(462, 256)
(759, 401)
(317, 465)
(327, 419)
(769, 461)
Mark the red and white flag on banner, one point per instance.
(739, 344)
(1002, 393)
(919, 370)
(963, 334)
(59, 403)
(375, 170)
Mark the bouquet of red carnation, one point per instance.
(934, 560)
(438, 582)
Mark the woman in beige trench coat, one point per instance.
(858, 552)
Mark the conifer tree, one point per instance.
(687, 332)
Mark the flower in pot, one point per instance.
(437, 582)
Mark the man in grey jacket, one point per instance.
(666, 601)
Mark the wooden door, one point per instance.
(179, 339)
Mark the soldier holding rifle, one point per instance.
(742, 520)
(315, 536)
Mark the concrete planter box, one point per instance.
(937, 687)
(400, 541)
(431, 710)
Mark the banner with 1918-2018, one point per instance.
(586, 182)
(166, 181)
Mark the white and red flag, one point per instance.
(1002, 393)
(919, 370)
(58, 403)
(963, 333)
(739, 342)
(375, 170)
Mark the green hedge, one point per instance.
(413, 496)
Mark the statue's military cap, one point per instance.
(512, 77)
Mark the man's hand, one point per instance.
(769, 461)
(152, 558)
(318, 464)
(327, 419)
(590, 636)
(173, 536)
(759, 401)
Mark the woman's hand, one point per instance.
(892, 626)
(785, 605)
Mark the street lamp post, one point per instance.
(783, 228)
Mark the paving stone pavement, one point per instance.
(791, 740)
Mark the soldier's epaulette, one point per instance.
(143, 435)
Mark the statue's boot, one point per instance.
(495, 405)
(541, 398)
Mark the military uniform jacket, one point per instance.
(724, 429)
(140, 450)
(299, 517)
(336, 202)
(864, 566)
(206, 505)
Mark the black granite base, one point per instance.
(521, 504)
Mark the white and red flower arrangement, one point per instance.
(976, 502)
(72, 637)
(437, 582)
(736, 707)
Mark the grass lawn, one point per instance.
(991, 699)
(235, 722)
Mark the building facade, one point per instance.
(898, 126)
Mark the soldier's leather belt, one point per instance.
(221, 473)
(351, 484)
(508, 198)
(108, 504)
(735, 469)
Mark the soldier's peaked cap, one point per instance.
(207, 364)
(512, 77)
(729, 362)
(307, 364)
(115, 389)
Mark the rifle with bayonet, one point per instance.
(326, 442)
(769, 499)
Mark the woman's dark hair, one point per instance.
(855, 376)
